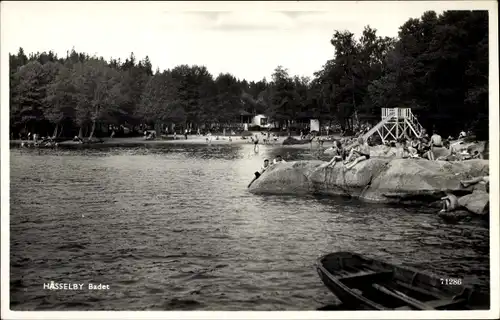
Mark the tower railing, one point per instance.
(396, 123)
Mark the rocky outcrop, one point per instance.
(480, 146)
(286, 178)
(382, 151)
(476, 202)
(379, 151)
(376, 180)
(440, 152)
(292, 140)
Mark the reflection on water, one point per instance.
(174, 227)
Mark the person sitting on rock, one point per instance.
(361, 152)
(402, 149)
(338, 154)
(476, 155)
(483, 180)
(278, 159)
(413, 148)
(419, 145)
(450, 203)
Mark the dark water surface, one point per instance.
(174, 227)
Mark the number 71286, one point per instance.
(451, 281)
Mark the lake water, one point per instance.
(173, 227)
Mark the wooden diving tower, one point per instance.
(396, 123)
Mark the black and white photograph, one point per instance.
(271, 157)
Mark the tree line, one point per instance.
(438, 66)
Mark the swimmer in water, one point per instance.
(264, 167)
(450, 203)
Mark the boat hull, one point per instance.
(367, 284)
(347, 298)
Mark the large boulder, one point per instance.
(476, 202)
(480, 146)
(286, 178)
(417, 180)
(292, 140)
(376, 179)
(382, 151)
(337, 180)
(440, 152)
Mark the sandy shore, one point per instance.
(193, 139)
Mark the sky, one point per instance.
(246, 39)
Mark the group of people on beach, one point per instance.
(37, 141)
(418, 147)
(267, 138)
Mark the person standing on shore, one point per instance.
(436, 141)
(186, 134)
(256, 143)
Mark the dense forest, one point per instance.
(438, 65)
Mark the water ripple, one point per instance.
(174, 228)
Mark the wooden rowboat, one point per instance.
(367, 284)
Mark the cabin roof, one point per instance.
(245, 113)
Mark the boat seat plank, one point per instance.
(359, 274)
(366, 275)
(404, 298)
(419, 290)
